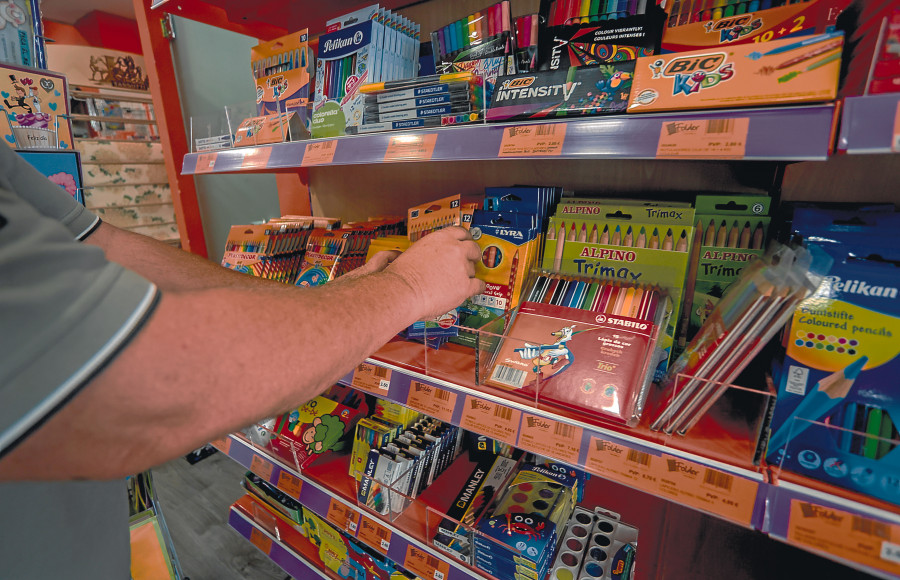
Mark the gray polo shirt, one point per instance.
(64, 313)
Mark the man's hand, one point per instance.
(440, 270)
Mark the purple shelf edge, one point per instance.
(867, 123)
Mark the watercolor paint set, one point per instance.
(596, 546)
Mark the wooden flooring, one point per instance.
(194, 500)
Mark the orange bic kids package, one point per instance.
(778, 72)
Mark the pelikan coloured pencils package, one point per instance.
(838, 404)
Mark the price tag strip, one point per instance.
(256, 158)
(206, 162)
(551, 438)
(701, 487)
(344, 517)
(411, 147)
(261, 541)
(850, 536)
(290, 484)
(262, 467)
(530, 140)
(425, 565)
(223, 444)
(703, 139)
(492, 419)
(319, 153)
(372, 379)
(436, 402)
(374, 534)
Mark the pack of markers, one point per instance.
(838, 408)
(282, 69)
(431, 101)
(598, 32)
(584, 344)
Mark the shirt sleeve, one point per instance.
(49, 199)
(65, 311)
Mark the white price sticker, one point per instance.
(385, 545)
(890, 552)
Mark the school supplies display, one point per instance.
(585, 344)
(596, 545)
(634, 241)
(521, 534)
(744, 75)
(371, 45)
(562, 93)
(837, 410)
(731, 233)
(597, 32)
(707, 24)
(755, 307)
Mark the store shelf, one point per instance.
(291, 561)
(714, 487)
(396, 543)
(775, 134)
(852, 533)
(870, 124)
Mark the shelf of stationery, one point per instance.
(286, 547)
(870, 124)
(337, 507)
(775, 134)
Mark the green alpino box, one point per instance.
(731, 233)
(627, 241)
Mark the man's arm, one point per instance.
(212, 360)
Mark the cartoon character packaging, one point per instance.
(778, 72)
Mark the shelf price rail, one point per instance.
(778, 134)
(374, 532)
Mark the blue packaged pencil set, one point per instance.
(838, 407)
(370, 45)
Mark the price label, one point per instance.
(730, 496)
(256, 157)
(319, 153)
(529, 140)
(206, 162)
(261, 541)
(371, 378)
(344, 517)
(494, 420)
(223, 444)
(432, 401)
(262, 467)
(895, 141)
(374, 534)
(551, 438)
(290, 484)
(410, 147)
(854, 537)
(425, 565)
(703, 139)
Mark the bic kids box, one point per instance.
(838, 404)
(778, 72)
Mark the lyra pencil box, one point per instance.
(508, 244)
(778, 72)
(563, 93)
(838, 407)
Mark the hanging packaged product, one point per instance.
(838, 406)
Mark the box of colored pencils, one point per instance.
(793, 70)
(838, 407)
(282, 69)
(589, 32)
(374, 49)
(585, 344)
(453, 210)
(579, 91)
(731, 233)
(704, 24)
(628, 241)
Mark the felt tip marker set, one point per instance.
(483, 34)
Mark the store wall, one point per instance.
(213, 69)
